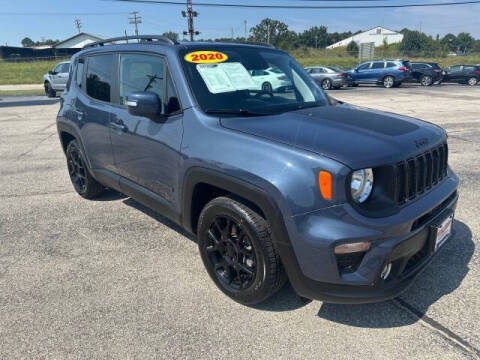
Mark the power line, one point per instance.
(135, 20)
(305, 7)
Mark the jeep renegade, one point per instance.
(348, 204)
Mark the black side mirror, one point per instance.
(146, 104)
(51, 72)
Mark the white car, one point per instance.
(270, 80)
(56, 79)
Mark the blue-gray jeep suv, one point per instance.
(346, 203)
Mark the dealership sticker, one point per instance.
(206, 57)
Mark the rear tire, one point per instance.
(426, 80)
(236, 247)
(472, 81)
(388, 82)
(49, 90)
(83, 183)
(267, 87)
(326, 84)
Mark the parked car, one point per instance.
(56, 79)
(329, 77)
(349, 204)
(426, 73)
(388, 73)
(270, 79)
(463, 74)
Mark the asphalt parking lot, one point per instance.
(111, 279)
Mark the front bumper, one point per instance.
(404, 240)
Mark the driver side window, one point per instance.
(139, 73)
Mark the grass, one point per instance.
(31, 72)
(21, 92)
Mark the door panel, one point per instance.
(146, 151)
(93, 111)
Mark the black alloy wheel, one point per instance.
(77, 170)
(231, 254)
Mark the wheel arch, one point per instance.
(202, 185)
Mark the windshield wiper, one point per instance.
(241, 112)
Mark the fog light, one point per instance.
(386, 271)
(352, 247)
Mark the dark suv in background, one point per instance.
(388, 73)
(426, 73)
(463, 74)
(349, 204)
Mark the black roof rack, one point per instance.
(249, 43)
(140, 38)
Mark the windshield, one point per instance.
(246, 80)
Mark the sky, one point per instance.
(54, 19)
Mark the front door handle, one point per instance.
(119, 125)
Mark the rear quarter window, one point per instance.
(99, 77)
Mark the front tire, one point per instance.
(472, 81)
(388, 82)
(237, 250)
(49, 90)
(84, 184)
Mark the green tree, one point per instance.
(465, 41)
(415, 43)
(27, 42)
(270, 31)
(449, 42)
(315, 36)
(171, 35)
(352, 48)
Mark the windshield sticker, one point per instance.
(215, 78)
(206, 57)
(225, 77)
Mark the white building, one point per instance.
(77, 41)
(376, 35)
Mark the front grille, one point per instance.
(420, 174)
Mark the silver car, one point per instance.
(56, 79)
(329, 77)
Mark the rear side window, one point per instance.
(378, 65)
(79, 74)
(391, 64)
(140, 73)
(99, 77)
(420, 66)
(469, 68)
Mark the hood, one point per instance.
(354, 136)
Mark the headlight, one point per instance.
(361, 185)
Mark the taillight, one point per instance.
(281, 78)
(402, 68)
(478, 72)
(341, 75)
(437, 70)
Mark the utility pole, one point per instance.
(232, 33)
(135, 19)
(245, 23)
(78, 25)
(190, 14)
(316, 41)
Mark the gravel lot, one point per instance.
(111, 279)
